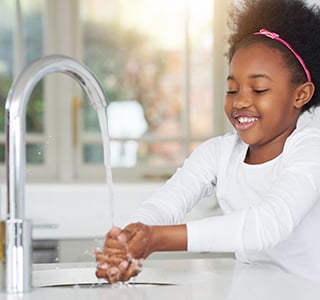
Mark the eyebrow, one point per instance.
(253, 76)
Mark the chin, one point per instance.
(247, 139)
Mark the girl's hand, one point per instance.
(123, 252)
(137, 237)
(110, 258)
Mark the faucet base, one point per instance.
(17, 267)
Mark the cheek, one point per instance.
(268, 106)
(227, 105)
(276, 108)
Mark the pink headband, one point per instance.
(276, 36)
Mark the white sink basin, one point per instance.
(84, 276)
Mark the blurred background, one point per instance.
(161, 64)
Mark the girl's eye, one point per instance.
(260, 91)
(231, 92)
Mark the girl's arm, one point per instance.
(125, 249)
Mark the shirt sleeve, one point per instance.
(269, 222)
(194, 180)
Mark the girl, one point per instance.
(266, 175)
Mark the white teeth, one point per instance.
(246, 119)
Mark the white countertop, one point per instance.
(192, 279)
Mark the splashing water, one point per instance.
(102, 117)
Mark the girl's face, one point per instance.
(260, 101)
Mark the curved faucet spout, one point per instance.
(18, 231)
(16, 104)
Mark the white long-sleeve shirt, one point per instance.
(271, 211)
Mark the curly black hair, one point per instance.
(295, 21)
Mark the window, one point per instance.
(157, 62)
(18, 48)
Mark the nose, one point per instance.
(241, 100)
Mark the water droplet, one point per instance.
(98, 249)
(89, 253)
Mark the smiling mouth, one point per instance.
(245, 122)
(244, 119)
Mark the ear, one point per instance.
(304, 94)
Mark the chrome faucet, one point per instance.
(17, 240)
